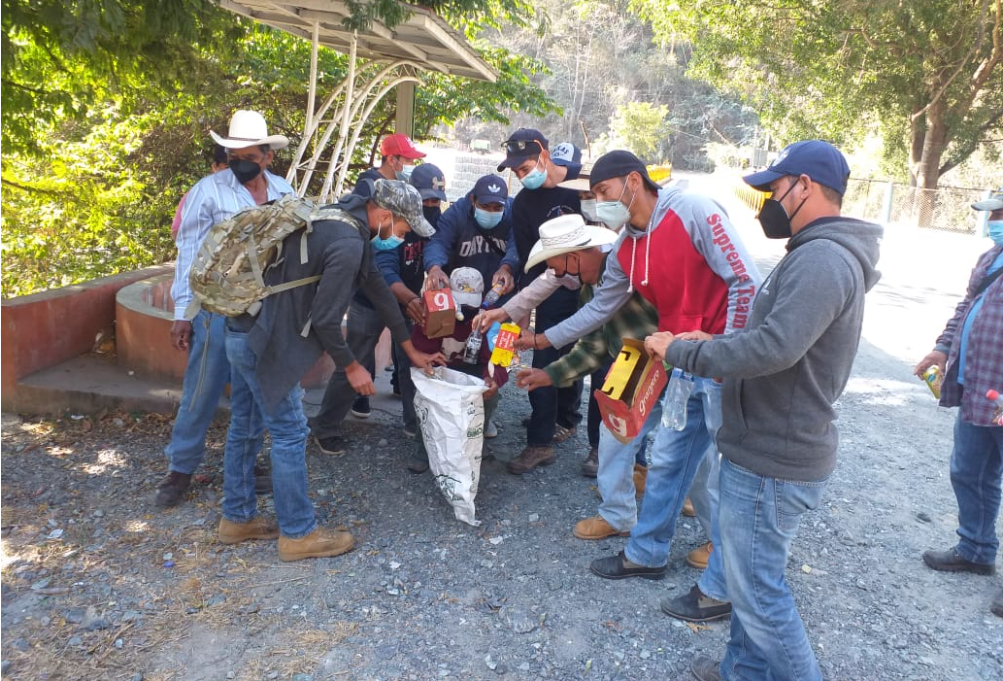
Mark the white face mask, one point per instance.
(614, 214)
(589, 210)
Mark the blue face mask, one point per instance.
(388, 244)
(534, 179)
(404, 174)
(996, 231)
(487, 219)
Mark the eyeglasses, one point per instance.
(516, 146)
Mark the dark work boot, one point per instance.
(951, 561)
(171, 490)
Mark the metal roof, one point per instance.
(424, 38)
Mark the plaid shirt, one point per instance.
(637, 318)
(984, 356)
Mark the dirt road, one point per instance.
(99, 584)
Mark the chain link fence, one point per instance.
(946, 208)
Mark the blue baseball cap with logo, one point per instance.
(490, 189)
(819, 160)
(429, 181)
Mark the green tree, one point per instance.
(930, 73)
(640, 127)
(99, 147)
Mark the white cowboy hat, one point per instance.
(567, 234)
(248, 129)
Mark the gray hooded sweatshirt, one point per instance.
(785, 371)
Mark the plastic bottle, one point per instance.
(492, 296)
(677, 395)
(472, 353)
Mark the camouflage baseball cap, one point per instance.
(404, 201)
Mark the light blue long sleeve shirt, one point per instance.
(213, 199)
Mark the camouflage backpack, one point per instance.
(227, 276)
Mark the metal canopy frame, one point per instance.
(379, 59)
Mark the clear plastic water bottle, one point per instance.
(677, 395)
(472, 353)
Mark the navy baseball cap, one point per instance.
(524, 143)
(819, 160)
(429, 181)
(620, 163)
(490, 189)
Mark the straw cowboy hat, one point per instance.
(567, 234)
(248, 129)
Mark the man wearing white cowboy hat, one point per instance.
(636, 318)
(246, 182)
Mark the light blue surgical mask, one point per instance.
(488, 219)
(404, 174)
(535, 178)
(589, 210)
(996, 231)
(614, 214)
(390, 243)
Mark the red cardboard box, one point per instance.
(441, 318)
(633, 384)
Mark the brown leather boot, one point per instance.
(640, 479)
(590, 467)
(233, 533)
(596, 527)
(319, 543)
(171, 490)
(530, 458)
(700, 556)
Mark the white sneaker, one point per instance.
(491, 430)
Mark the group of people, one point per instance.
(600, 253)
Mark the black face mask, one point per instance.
(432, 213)
(244, 171)
(577, 275)
(774, 219)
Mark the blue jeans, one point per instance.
(976, 468)
(616, 472)
(206, 376)
(362, 334)
(758, 518)
(675, 457)
(287, 426)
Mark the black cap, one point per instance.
(619, 163)
(522, 144)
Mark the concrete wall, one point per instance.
(45, 329)
(468, 168)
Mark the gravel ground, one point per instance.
(97, 583)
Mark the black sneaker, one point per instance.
(418, 461)
(360, 408)
(696, 607)
(705, 669)
(615, 567)
(333, 445)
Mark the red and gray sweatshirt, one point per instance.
(689, 263)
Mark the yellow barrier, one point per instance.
(753, 198)
(660, 174)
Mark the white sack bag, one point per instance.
(450, 410)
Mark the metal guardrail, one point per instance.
(946, 208)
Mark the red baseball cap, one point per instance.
(399, 144)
